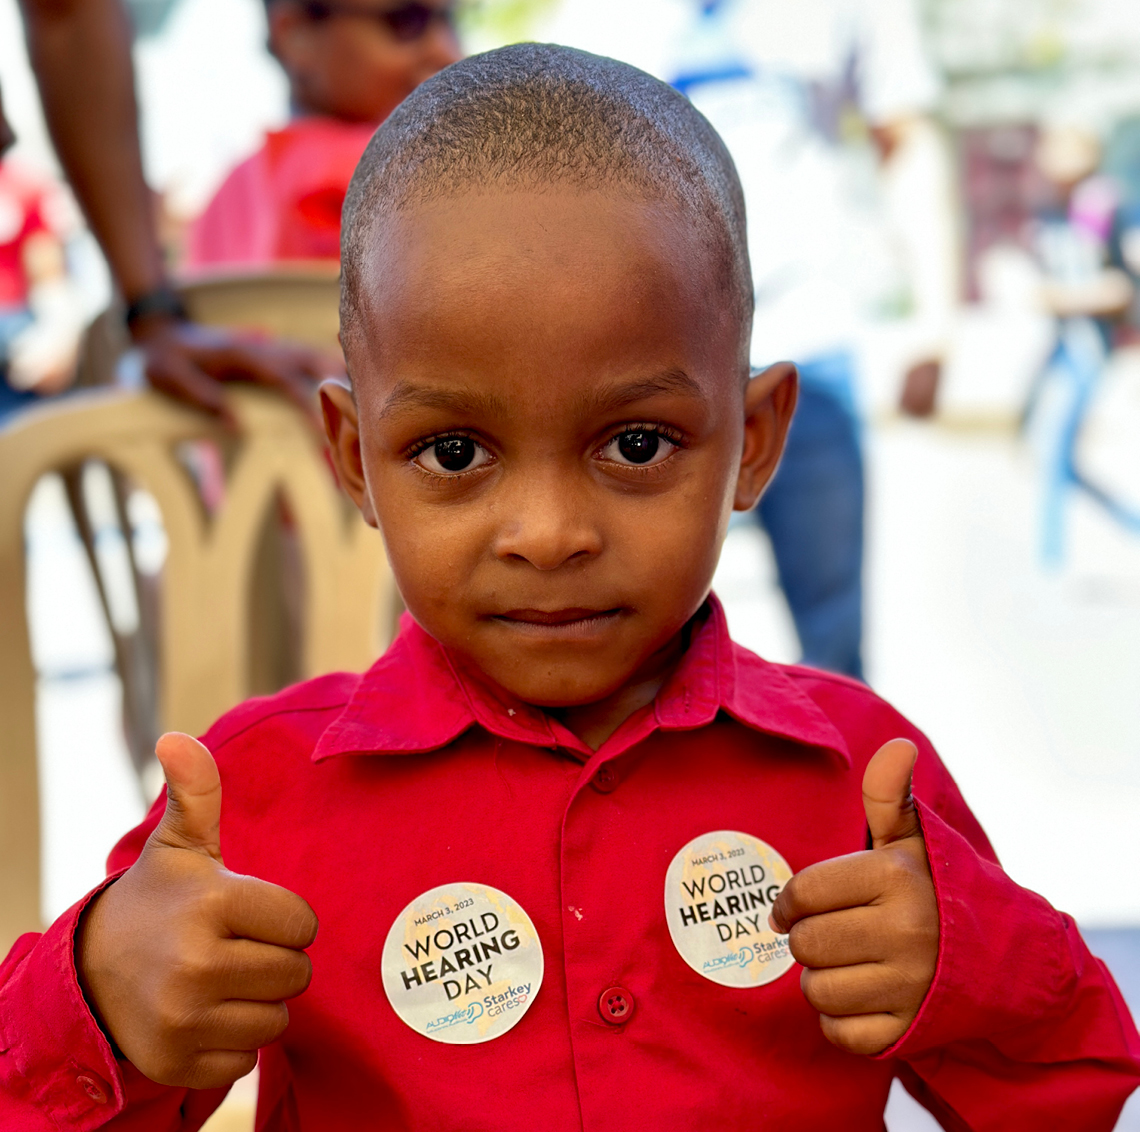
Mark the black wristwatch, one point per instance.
(162, 300)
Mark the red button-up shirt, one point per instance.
(363, 792)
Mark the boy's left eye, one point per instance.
(640, 447)
(451, 455)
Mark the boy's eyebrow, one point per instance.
(617, 395)
(408, 396)
(610, 397)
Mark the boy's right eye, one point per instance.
(450, 455)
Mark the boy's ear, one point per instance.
(342, 427)
(769, 402)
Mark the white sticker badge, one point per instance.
(462, 964)
(718, 893)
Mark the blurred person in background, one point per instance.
(80, 52)
(1089, 297)
(1121, 164)
(39, 314)
(349, 64)
(1075, 233)
(787, 86)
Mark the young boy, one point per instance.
(349, 64)
(551, 835)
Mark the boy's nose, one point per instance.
(546, 528)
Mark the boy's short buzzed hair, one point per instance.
(539, 114)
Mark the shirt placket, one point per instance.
(603, 988)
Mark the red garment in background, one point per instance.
(24, 210)
(284, 202)
(362, 792)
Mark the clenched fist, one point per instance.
(186, 964)
(865, 926)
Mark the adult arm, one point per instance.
(80, 52)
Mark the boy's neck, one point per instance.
(595, 723)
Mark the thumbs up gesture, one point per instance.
(186, 964)
(865, 926)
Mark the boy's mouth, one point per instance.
(570, 621)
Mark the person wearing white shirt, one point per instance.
(780, 82)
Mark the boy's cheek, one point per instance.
(432, 586)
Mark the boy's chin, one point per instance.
(565, 685)
(585, 668)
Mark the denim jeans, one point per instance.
(813, 513)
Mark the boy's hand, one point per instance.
(185, 963)
(865, 926)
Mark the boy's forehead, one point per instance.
(543, 269)
(457, 235)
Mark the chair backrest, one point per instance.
(207, 582)
(298, 302)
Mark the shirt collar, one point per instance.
(417, 698)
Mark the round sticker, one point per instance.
(462, 964)
(718, 893)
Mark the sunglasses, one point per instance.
(407, 22)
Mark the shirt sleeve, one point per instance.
(893, 72)
(57, 1068)
(1022, 1027)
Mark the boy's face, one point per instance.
(551, 427)
(345, 60)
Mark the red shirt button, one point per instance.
(605, 780)
(616, 1006)
(94, 1088)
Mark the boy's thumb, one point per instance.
(193, 796)
(887, 800)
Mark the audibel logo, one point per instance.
(457, 1017)
(739, 958)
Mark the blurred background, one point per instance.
(946, 198)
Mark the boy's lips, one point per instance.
(573, 620)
